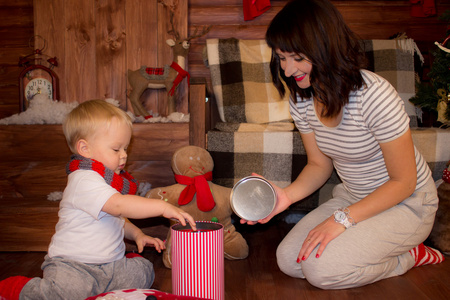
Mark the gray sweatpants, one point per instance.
(374, 249)
(68, 279)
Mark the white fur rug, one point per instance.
(45, 111)
(41, 111)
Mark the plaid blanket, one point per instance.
(394, 60)
(242, 82)
(253, 127)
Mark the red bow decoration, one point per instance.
(199, 185)
(181, 74)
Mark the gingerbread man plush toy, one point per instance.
(205, 201)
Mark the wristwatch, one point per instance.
(341, 216)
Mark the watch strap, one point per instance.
(347, 221)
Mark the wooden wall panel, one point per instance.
(53, 30)
(110, 49)
(79, 81)
(16, 27)
(98, 41)
(16, 16)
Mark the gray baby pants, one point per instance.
(68, 279)
(374, 249)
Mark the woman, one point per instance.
(354, 121)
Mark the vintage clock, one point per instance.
(36, 78)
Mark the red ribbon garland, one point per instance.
(198, 184)
(181, 74)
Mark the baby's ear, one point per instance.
(82, 147)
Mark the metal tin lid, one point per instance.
(253, 198)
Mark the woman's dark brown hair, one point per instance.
(316, 29)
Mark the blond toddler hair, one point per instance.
(88, 117)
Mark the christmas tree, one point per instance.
(434, 96)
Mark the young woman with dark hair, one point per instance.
(351, 120)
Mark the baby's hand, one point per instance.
(173, 212)
(143, 240)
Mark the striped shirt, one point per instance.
(375, 114)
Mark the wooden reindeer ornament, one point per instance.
(168, 77)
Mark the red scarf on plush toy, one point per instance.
(124, 183)
(196, 185)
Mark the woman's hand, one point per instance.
(281, 204)
(322, 234)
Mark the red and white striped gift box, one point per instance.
(198, 260)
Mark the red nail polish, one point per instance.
(303, 258)
(298, 260)
(317, 255)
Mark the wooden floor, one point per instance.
(258, 277)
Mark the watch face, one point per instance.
(38, 86)
(339, 216)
